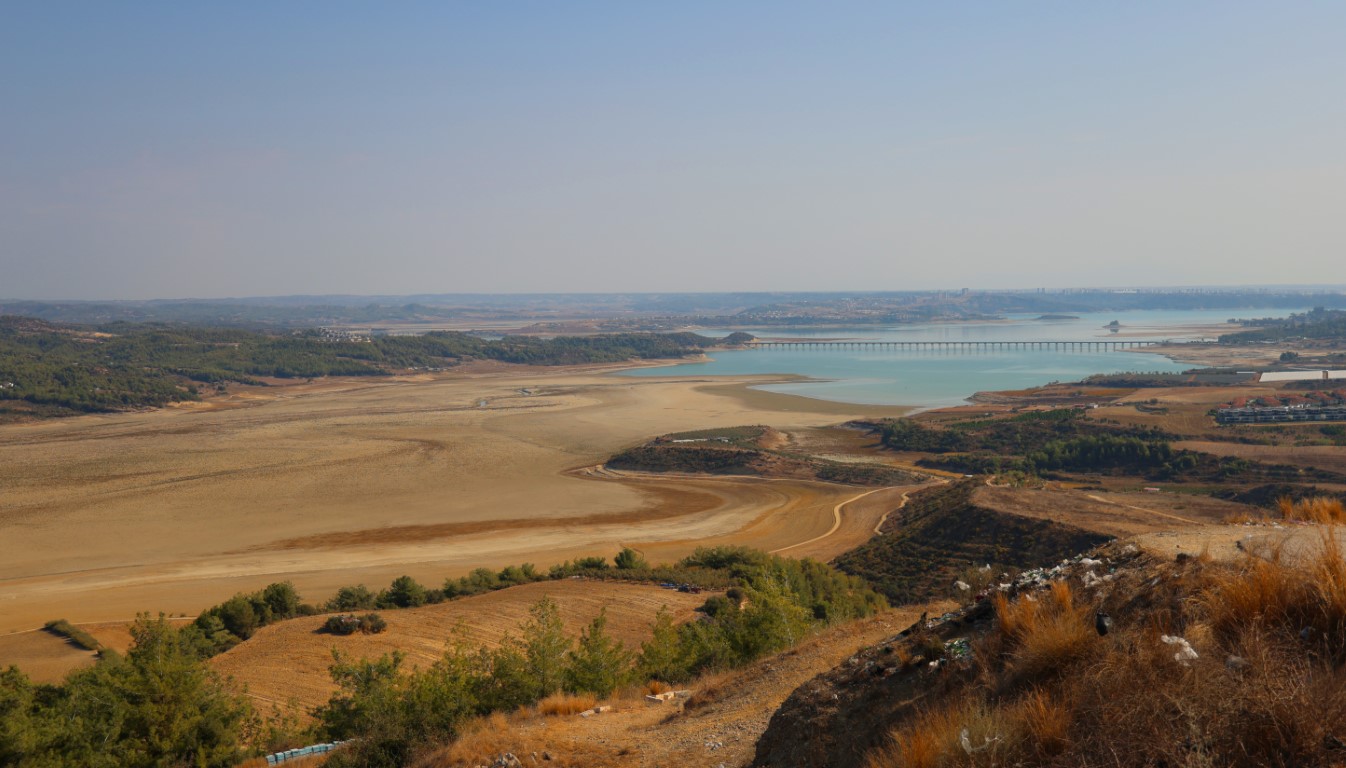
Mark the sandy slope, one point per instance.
(174, 510)
(286, 664)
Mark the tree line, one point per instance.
(161, 705)
(53, 369)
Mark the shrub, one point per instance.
(372, 624)
(223, 626)
(74, 634)
(566, 704)
(404, 592)
(354, 598)
(630, 560)
(349, 624)
(340, 625)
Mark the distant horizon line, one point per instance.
(1204, 288)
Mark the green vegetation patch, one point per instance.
(1062, 440)
(63, 628)
(390, 713)
(50, 369)
(743, 451)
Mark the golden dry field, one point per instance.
(347, 481)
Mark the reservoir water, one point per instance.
(938, 377)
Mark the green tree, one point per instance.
(546, 646)
(356, 598)
(239, 616)
(405, 592)
(599, 664)
(630, 560)
(18, 727)
(160, 706)
(389, 713)
(662, 657)
(282, 600)
(506, 681)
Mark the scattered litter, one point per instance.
(1186, 654)
(966, 740)
(958, 649)
(660, 698)
(1236, 663)
(1102, 623)
(963, 586)
(595, 711)
(1089, 562)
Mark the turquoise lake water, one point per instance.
(930, 378)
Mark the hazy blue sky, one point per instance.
(255, 148)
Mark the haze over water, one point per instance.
(930, 378)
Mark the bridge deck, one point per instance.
(1046, 344)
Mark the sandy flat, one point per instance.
(344, 481)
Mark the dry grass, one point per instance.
(1242, 517)
(655, 687)
(927, 744)
(1047, 720)
(566, 703)
(1321, 510)
(1267, 686)
(498, 734)
(711, 688)
(1045, 634)
(1306, 598)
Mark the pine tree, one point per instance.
(600, 664)
(545, 647)
(662, 657)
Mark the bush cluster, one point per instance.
(222, 627)
(392, 713)
(349, 624)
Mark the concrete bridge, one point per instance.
(1065, 346)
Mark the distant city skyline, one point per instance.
(161, 150)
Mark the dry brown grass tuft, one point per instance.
(927, 743)
(566, 704)
(1243, 518)
(656, 687)
(1322, 510)
(1046, 721)
(1257, 592)
(1306, 597)
(1046, 634)
(486, 739)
